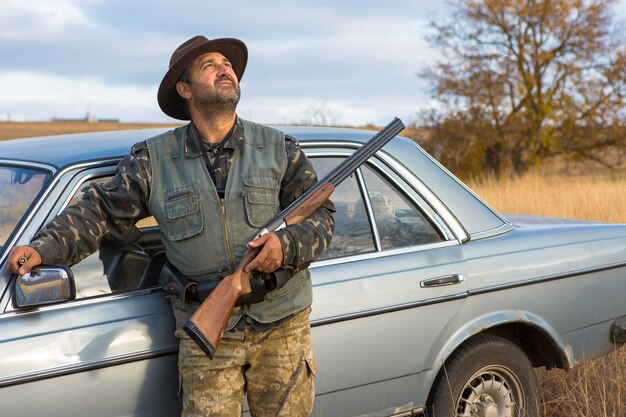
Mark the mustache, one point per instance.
(224, 78)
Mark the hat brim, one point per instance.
(168, 98)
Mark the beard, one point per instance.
(212, 99)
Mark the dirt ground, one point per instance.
(15, 130)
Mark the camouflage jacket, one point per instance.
(110, 210)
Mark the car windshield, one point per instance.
(19, 186)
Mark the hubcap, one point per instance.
(485, 406)
(493, 391)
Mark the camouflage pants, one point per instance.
(275, 369)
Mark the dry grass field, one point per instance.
(594, 389)
(600, 196)
(15, 130)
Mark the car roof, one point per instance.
(63, 150)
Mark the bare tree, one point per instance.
(320, 115)
(525, 80)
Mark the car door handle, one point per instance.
(441, 281)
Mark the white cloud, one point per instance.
(33, 19)
(37, 96)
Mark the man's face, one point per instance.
(212, 82)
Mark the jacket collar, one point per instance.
(233, 140)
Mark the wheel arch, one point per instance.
(540, 348)
(539, 341)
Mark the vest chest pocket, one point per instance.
(184, 216)
(261, 199)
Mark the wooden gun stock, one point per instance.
(206, 326)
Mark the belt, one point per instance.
(179, 285)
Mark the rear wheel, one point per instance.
(487, 376)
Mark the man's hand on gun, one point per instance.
(22, 259)
(269, 259)
(270, 256)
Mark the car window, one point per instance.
(18, 188)
(113, 268)
(353, 232)
(399, 222)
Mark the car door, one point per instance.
(111, 352)
(392, 278)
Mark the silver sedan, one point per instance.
(427, 299)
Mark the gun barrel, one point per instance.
(343, 170)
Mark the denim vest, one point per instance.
(205, 237)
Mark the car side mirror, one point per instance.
(44, 285)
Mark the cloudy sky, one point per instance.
(354, 61)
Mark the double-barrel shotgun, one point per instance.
(207, 324)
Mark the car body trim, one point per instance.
(408, 410)
(84, 367)
(546, 278)
(39, 165)
(385, 253)
(388, 309)
(504, 228)
(370, 211)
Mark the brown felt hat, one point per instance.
(169, 100)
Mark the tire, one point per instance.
(487, 376)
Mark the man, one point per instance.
(211, 184)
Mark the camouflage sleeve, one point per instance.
(109, 210)
(304, 242)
